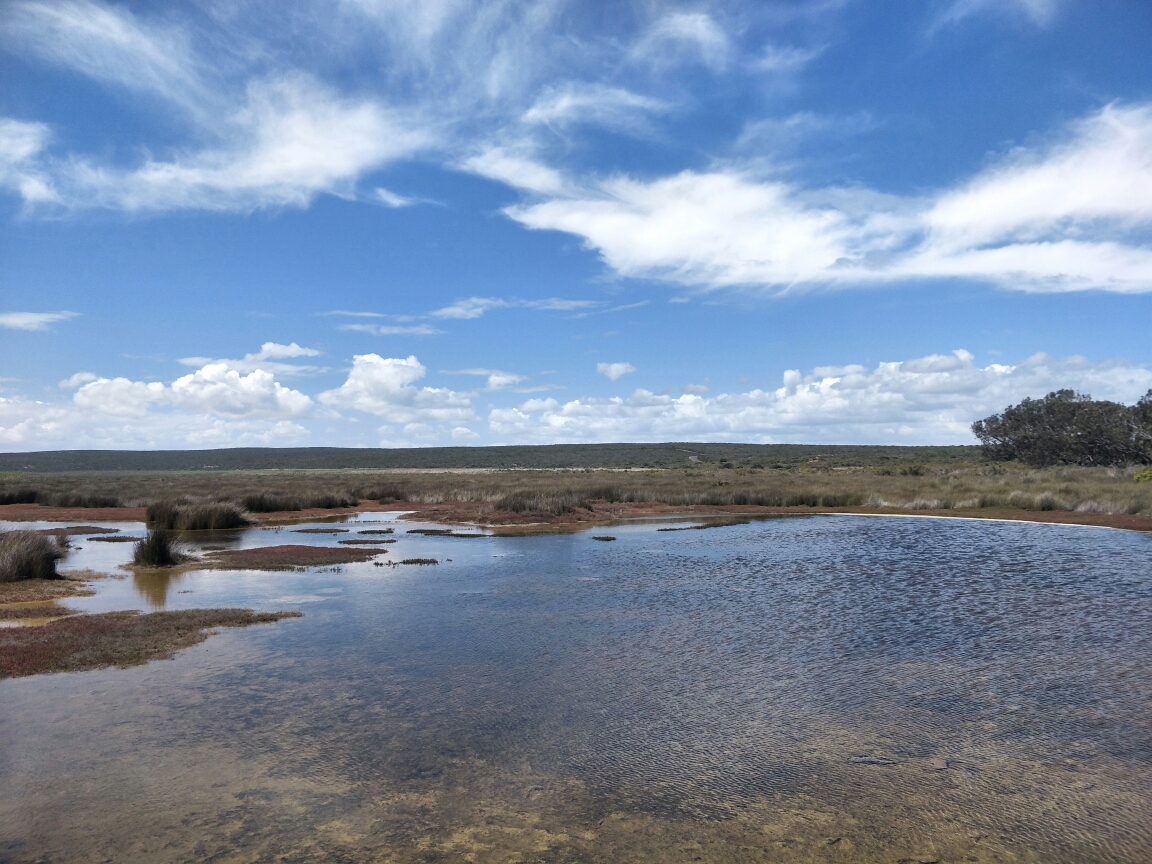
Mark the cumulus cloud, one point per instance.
(927, 400)
(1061, 218)
(385, 387)
(32, 320)
(615, 371)
(215, 389)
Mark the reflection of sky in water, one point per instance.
(956, 689)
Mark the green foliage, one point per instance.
(1144, 476)
(1068, 428)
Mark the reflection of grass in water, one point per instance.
(604, 538)
(115, 639)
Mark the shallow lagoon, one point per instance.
(825, 688)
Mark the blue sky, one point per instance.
(366, 223)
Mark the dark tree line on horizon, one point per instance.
(1069, 428)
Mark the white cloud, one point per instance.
(218, 389)
(615, 371)
(276, 351)
(463, 433)
(109, 44)
(268, 359)
(215, 389)
(776, 58)
(74, 381)
(391, 199)
(928, 400)
(1039, 12)
(519, 169)
(1057, 219)
(392, 330)
(472, 307)
(384, 387)
(594, 104)
(121, 396)
(497, 379)
(20, 145)
(684, 36)
(475, 307)
(290, 141)
(33, 320)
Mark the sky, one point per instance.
(438, 222)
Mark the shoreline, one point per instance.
(507, 523)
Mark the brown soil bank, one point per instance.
(509, 523)
(115, 639)
(37, 513)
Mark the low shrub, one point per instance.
(385, 494)
(157, 549)
(28, 555)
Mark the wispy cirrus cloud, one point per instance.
(392, 329)
(33, 320)
(1068, 217)
(269, 358)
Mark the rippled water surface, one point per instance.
(826, 688)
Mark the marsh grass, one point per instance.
(265, 502)
(157, 549)
(28, 555)
(947, 484)
(204, 516)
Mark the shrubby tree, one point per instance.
(1070, 428)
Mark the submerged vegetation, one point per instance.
(28, 555)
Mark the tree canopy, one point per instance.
(1070, 428)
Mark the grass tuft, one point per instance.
(157, 549)
(28, 555)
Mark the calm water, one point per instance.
(826, 688)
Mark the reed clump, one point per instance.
(158, 548)
(268, 502)
(210, 516)
(28, 555)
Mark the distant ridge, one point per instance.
(542, 456)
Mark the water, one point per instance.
(826, 688)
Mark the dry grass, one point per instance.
(114, 639)
(28, 555)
